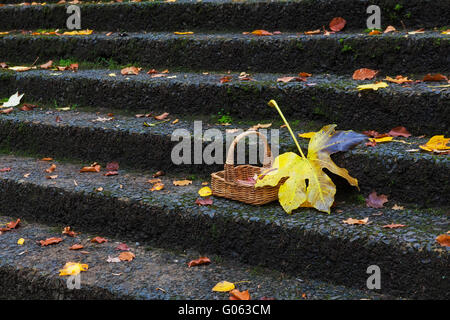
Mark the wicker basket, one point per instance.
(224, 183)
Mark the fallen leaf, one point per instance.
(435, 77)
(130, 71)
(28, 107)
(443, 240)
(5, 170)
(13, 101)
(158, 174)
(46, 65)
(290, 79)
(78, 32)
(399, 132)
(376, 201)
(373, 86)
(204, 202)
(50, 241)
(258, 126)
(235, 294)
(126, 256)
(421, 30)
(20, 68)
(183, 33)
(364, 74)
(223, 286)
(95, 168)
(162, 116)
(307, 135)
(72, 268)
(352, 221)
(313, 32)
(394, 226)
(398, 79)
(112, 166)
(261, 33)
(157, 186)
(374, 32)
(205, 192)
(114, 260)
(123, 247)
(437, 144)
(76, 246)
(7, 111)
(199, 261)
(51, 169)
(99, 240)
(225, 79)
(390, 29)
(21, 241)
(182, 182)
(69, 232)
(175, 121)
(396, 207)
(337, 24)
(304, 74)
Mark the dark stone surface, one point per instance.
(229, 15)
(327, 98)
(31, 272)
(417, 177)
(309, 243)
(338, 53)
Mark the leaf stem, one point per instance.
(273, 103)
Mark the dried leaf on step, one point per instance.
(223, 286)
(337, 24)
(376, 201)
(126, 256)
(99, 240)
(235, 294)
(443, 240)
(199, 261)
(182, 182)
(364, 74)
(50, 241)
(356, 221)
(72, 268)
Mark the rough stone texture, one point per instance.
(417, 177)
(309, 243)
(338, 53)
(31, 272)
(327, 98)
(228, 15)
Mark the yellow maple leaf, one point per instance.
(436, 144)
(320, 190)
(380, 140)
(373, 86)
(205, 192)
(183, 33)
(72, 268)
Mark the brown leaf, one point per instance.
(111, 173)
(126, 256)
(337, 24)
(261, 33)
(389, 29)
(157, 186)
(76, 246)
(112, 166)
(290, 79)
(6, 111)
(199, 261)
(313, 32)
(51, 177)
(182, 182)
(398, 79)
(28, 107)
(225, 79)
(154, 180)
(375, 201)
(235, 294)
(304, 74)
(443, 240)
(399, 132)
(364, 74)
(50, 241)
(158, 174)
(98, 240)
(162, 116)
(122, 247)
(394, 226)
(204, 202)
(374, 32)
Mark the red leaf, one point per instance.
(364, 74)
(111, 173)
(435, 77)
(375, 201)
(444, 240)
(99, 240)
(112, 166)
(399, 132)
(199, 261)
(5, 170)
(337, 24)
(69, 232)
(76, 246)
(50, 241)
(122, 247)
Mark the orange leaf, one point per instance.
(126, 256)
(76, 246)
(444, 240)
(10, 225)
(158, 174)
(225, 79)
(435, 77)
(261, 33)
(337, 24)
(374, 32)
(95, 168)
(51, 169)
(98, 240)
(304, 74)
(157, 186)
(162, 116)
(398, 79)
(47, 159)
(235, 294)
(312, 32)
(199, 261)
(130, 71)
(5, 170)
(50, 241)
(364, 74)
(154, 180)
(69, 232)
(182, 182)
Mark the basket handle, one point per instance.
(229, 164)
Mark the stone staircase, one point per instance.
(308, 254)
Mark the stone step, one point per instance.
(227, 15)
(308, 244)
(31, 271)
(416, 177)
(338, 53)
(323, 97)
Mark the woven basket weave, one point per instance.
(225, 183)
